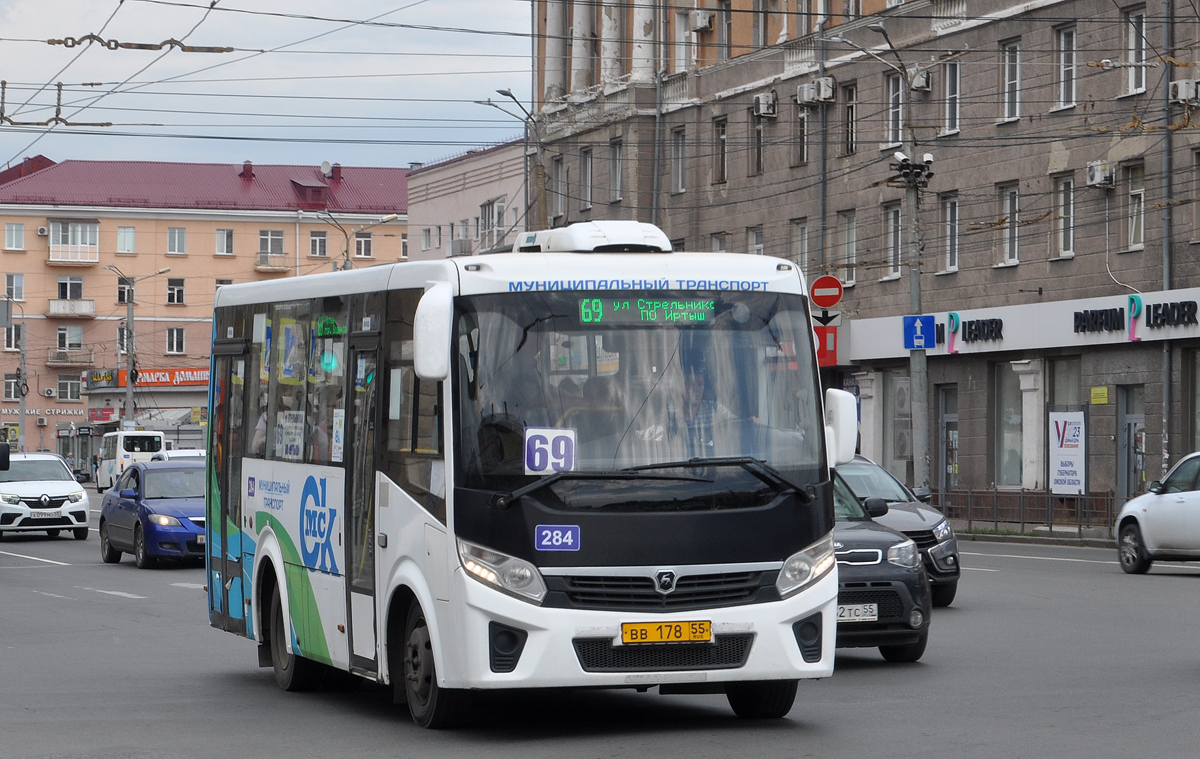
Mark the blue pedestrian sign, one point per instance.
(918, 333)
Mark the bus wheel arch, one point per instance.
(401, 600)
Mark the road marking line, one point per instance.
(121, 593)
(35, 558)
(53, 595)
(979, 569)
(188, 585)
(1039, 558)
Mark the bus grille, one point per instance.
(615, 593)
(600, 655)
(890, 604)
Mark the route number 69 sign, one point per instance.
(549, 450)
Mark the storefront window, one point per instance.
(897, 424)
(1008, 427)
(1065, 379)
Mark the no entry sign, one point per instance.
(826, 291)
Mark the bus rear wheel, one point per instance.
(292, 672)
(431, 706)
(767, 699)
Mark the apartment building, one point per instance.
(1054, 242)
(84, 239)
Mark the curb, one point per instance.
(1036, 540)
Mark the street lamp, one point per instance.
(130, 370)
(530, 128)
(346, 265)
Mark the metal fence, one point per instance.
(1024, 510)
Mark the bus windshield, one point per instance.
(611, 381)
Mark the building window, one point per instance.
(558, 190)
(70, 338)
(10, 390)
(270, 241)
(437, 236)
(800, 137)
(755, 240)
(318, 243)
(14, 236)
(895, 109)
(1066, 380)
(615, 171)
(177, 240)
(849, 119)
(1010, 54)
(12, 337)
(1064, 216)
(757, 136)
(724, 29)
(759, 24)
(1135, 47)
(362, 245)
(952, 74)
(894, 234)
(464, 226)
(678, 160)
(799, 244)
(1008, 427)
(126, 240)
(1135, 179)
(950, 230)
(1066, 68)
(426, 239)
(175, 340)
(75, 234)
(847, 244)
(403, 246)
(719, 243)
(682, 48)
(222, 282)
(721, 150)
(70, 288)
(68, 387)
(224, 242)
(1010, 223)
(175, 291)
(14, 286)
(585, 180)
(852, 8)
(125, 292)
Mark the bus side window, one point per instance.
(413, 457)
(289, 380)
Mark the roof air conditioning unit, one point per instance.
(1183, 90)
(42, 421)
(49, 392)
(43, 231)
(764, 105)
(1099, 174)
(701, 20)
(825, 89)
(921, 81)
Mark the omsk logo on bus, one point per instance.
(316, 528)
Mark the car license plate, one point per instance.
(858, 613)
(200, 539)
(666, 632)
(45, 514)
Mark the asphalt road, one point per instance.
(1047, 652)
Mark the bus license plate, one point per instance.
(45, 514)
(666, 632)
(858, 613)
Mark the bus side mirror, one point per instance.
(841, 426)
(3, 457)
(431, 332)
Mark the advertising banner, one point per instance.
(1068, 452)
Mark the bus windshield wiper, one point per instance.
(504, 501)
(749, 463)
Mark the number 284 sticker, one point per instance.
(556, 537)
(549, 450)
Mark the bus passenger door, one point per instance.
(227, 607)
(363, 411)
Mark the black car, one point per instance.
(883, 591)
(909, 513)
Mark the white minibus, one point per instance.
(120, 449)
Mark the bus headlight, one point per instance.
(503, 572)
(804, 568)
(905, 555)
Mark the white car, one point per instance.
(39, 493)
(1163, 524)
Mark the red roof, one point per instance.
(25, 168)
(145, 184)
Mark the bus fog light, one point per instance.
(503, 572)
(916, 619)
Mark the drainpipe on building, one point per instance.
(822, 166)
(658, 77)
(1168, 46)
(299, 215)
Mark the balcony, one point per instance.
(81, 357)
(72, 309)
(272, 264)
(74, 255)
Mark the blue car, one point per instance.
(155, 509)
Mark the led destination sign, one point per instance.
(623, 311)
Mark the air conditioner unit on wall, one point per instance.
(43, 421)
(764, 105)
(49, 392)
(921, 81)
(43, 231)
(701, 21)
(1099, 174)
(1183, 90)
(825, 89)
(806, 94)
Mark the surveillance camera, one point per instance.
(929, 158)
(901, 157)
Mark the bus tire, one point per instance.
(766, 699)
(292, 673)
(430, 706)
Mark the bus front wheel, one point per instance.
(431, 706)
(292, 672)
(767, 699)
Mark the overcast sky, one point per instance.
(325, 90)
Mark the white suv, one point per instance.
(38, 492)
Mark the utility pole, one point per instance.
(130, 356)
